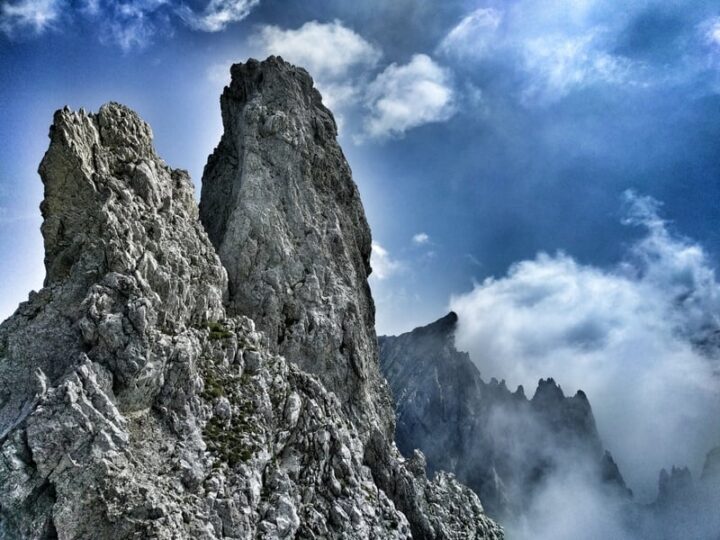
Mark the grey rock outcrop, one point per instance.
(279, 204)
(496, 441)
(133, 406)
(711, 467)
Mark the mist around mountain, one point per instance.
(538, 463)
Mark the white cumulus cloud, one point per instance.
(337, 57)
(631, 337)
(326, 50)
(420, 238)
(382, 263)
(406, 96)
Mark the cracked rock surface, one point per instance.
(279, 204)
(133, 405)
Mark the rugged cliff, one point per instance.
(132, 405)
(498, 442)
(279, 204)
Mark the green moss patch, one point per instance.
(218, 330)
(232, 442)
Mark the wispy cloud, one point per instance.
(549, 50)
(383, 264)
(28, 16)
(132, 24)
(406, 96)
(474, 35)
(556, 65)
(554, 61)
(631, 336)
(711, 30)
(218, 14)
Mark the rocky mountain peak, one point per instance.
(124, 255)
(290, 87)
(673, 485)
(548, 389)
(445, 326)
(685, 506)
(498, 442)
(281, 208)
(134, 405)
(279, 204)
(95, 159)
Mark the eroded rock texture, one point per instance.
(133, 406)
(279, 204)
(498, 442)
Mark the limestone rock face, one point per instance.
(498, 442)
(133, 406)
(279, 204)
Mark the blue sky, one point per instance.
(550, 169)
(480, 133)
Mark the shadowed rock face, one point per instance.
(133, 406)
(279, 204)
(498, 442)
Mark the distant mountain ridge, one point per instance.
(498, 442)
(685, 507)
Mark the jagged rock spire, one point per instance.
(130, 271)
(498, 442)
(280, 206)
(133, 406)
